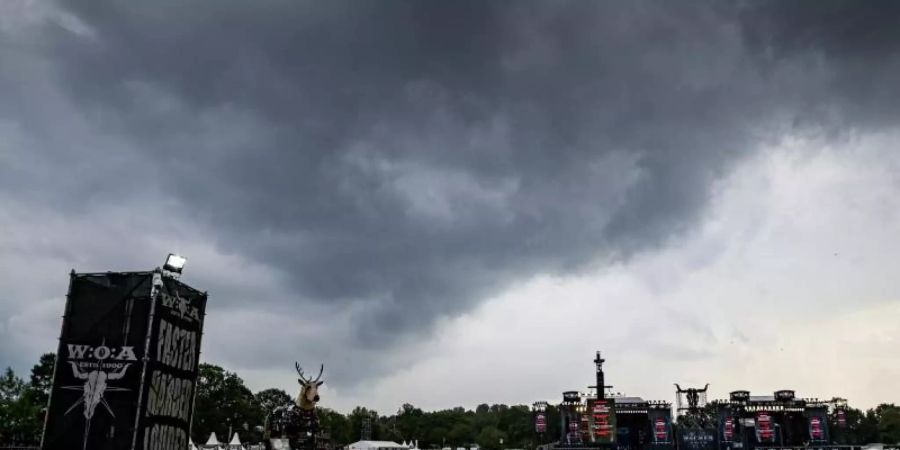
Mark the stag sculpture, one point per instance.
(297, 423)
(309, 389)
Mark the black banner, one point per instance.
(602, 420)
(660, 428)
(817, 421)
(728, 429)
(697, 439)
(784, 395)
(106, 394)
(765, 428)
(174, 350)
(840, 418)
(573, 425)
(540, 422)
(97, 378)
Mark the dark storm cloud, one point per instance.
(401, 161)
(855, 43)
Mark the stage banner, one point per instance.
(660, 428)
(584, 427)
(602, 420)
(540, 422)
(841, 418)
(817, 419)
(167, 400)
(765, 428)
(97, 378)
(728, 435)
(573, 435)
(625, 440)
(696, 439)
(127, 363)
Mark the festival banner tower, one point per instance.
(127, 362)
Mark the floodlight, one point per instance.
(174, 263)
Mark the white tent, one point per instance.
(213, 441)
(376, 445)
(235, 442)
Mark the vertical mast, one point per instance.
(601, 385)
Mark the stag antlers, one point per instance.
(303, 379)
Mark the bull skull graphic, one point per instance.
(95, 385)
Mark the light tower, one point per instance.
(601, 386)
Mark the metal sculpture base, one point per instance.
(293, 426)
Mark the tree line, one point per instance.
(224, 403)
(223, 400)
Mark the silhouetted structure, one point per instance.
(690, 400)
(743, 422)
(617, 422)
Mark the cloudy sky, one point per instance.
(455, 203)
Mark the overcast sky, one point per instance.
(459, 202)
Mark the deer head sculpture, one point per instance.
(309, 389)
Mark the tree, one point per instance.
(41, 380)
(337, 424)
(868, 428)
(485, 417)
(860, 427)
(357, 417)
(10, 390)
(489, 438)
(223, 401)
(553, 423)
(37, 392)
(461, 434)
(516, 423)
(386, 429)
(19, 422)
(410, 422)
(269, 399)
(888, 416)
(435, 437)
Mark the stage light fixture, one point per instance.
(174, 263)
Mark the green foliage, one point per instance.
(224, 402)
(462, 433)
(357, 416)
(860, 428)
(553, 424)
(20, 416)
(410, 421)
(888, 416)
(41, 379)
(436, 437)
(269, 399)
(880, 424)
(490, 438)
(337, 424)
